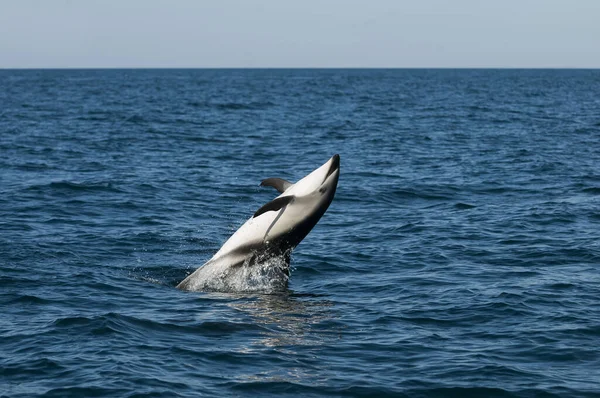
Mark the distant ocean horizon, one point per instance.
(575, 68)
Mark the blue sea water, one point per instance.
(459, 258)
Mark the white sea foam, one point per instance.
(260, 273)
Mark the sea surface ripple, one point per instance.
(459, 258)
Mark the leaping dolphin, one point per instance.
(261, 248)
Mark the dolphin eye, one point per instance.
(322, 189)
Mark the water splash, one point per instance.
(260, 272)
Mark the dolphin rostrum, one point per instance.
(257, 255)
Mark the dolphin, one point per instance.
(257, 255)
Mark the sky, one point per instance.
(299, 33)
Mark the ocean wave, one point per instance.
(69, 186)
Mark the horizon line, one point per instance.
(298, 67)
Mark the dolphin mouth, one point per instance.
(335, 165)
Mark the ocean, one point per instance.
(459, 258)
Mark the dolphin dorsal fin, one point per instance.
(274, 205)
(278, 183)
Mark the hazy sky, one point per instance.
(299, 33)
